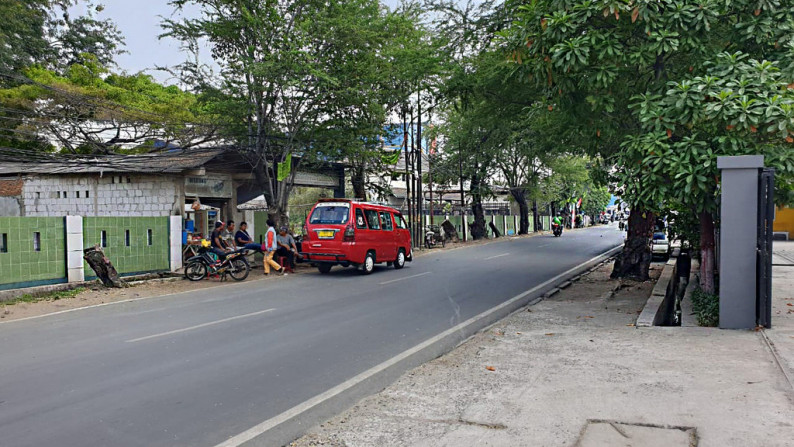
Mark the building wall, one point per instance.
(32, 251)
(784, 221)
(109, 195)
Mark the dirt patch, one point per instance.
(98, 294)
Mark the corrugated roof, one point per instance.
(164, 162)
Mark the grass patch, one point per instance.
(52, 296)
(706, 307)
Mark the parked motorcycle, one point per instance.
(201, 266)
(434, 237)
(556, 229)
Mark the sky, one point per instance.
(139, 23)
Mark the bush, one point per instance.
(706, 307)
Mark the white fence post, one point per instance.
(74, 249)
(175, 242)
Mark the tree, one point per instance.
(610, 55)
(285, 68)
(43, 32)
(91, 110)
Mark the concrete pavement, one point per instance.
(574, 371)
(199, 368)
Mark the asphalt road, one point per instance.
(195, 369)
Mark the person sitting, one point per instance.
(217, 245)
(243, 239)
(286, 247)
(227, 235)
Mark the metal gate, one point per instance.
(766, 214)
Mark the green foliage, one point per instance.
(706, 307)
(89, 109)
(43, 32)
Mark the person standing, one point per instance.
(270, 247)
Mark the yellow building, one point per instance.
(784, 221)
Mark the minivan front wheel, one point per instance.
(369, 264)
(400, 261)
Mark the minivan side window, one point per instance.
(372, 219)
(386, 219)
(398, 219)
(361, 223)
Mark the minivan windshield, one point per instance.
(330, 213)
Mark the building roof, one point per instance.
(173, 161)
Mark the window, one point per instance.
(129, 180)
(330, 213)
(57, 194)
(64, 195)
(4, 243)
(361, 223)
(400, 222)
(38, 195)
(127, 238)
(104, 238)
(77, 194)
(385, 218)
(86, 194)
(372, 219)
(36, 241)
(149, 237)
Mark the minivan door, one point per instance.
(389, 237)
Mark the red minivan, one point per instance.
(347, 232)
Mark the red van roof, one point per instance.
(359, 202)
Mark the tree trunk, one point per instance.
(707, 259)
(478, 230)
(358, 181)
(519, 194)
(535, 220)
(102, 266)
(635, 259)
(477, 227)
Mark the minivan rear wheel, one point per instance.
(400, 261)
(324, 268)
(369, 264)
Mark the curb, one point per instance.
(650, 312)
(293, 423)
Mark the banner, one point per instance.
(284, 168)
(391, 158)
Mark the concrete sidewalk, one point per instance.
(574, 371)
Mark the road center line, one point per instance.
(405, 277)
(497, 256)
(177, 331)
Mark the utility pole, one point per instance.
(421, 155)
(407, 177)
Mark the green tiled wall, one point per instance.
(260, 226)
(21, 263)
(139, 256)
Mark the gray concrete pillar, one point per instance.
(738, 240)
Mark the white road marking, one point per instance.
(497, 256)
(177, 331)
(405, 277)
(295, 411)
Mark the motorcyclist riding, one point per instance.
(556, 225)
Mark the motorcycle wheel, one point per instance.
(239, 269)
(195, 271)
